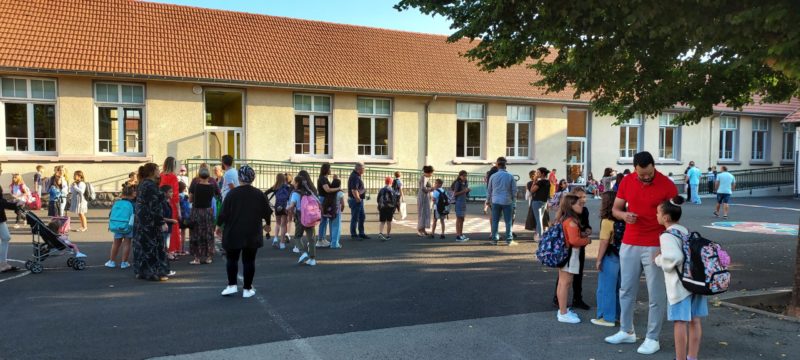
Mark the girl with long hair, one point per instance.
(168, 177)
(569, 217)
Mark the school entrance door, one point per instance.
(224, 123)
(577, 129)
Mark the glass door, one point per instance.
(223, 141)
(576, 160)
(224, 122)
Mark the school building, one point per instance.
(106, 85)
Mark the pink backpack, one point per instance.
(310, 213)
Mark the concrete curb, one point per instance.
(755, 294)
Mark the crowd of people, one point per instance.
(159, 205)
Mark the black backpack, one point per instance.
(443, 203)
(387, 199)
(616, 239)
(396, 190)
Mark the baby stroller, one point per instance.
(47, 243)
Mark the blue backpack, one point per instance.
(553, 250)
(282, 198)
(186, 207)
(120, 220)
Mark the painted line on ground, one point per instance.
(27, 272)
(767, 207)
(302, 344)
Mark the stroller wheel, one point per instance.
(37, 268)
(79, 264)
(28, 264)
(71, 262)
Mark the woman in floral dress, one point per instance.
(149, 252)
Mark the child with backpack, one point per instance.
(120, 223)
(569, 216)
(441, 206)
(460, 190)
(304, 206)
(387, 204)
(185, 207)
(685, 308)
(607, 265)
(281, 191)
(332, 207)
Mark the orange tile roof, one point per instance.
(793, 117)
(153, 40)
(129, 38)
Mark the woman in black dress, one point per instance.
(241, 217)
(201, 194)
(149, 252)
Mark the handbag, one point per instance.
(403, 210)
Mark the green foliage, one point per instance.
(638, 56)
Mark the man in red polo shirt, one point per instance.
(642, 191)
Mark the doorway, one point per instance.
(224, 123)
(577, 129)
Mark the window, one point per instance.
(629, 136)
(519, 124)
(469, 129)
(787, 147)
(668, 137)
(29, 113)
(120, 118)
(374, 124)
(760, 139)
(312, 124)
(728, 128)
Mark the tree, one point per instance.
(639, 57)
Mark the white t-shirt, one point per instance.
(231, 176)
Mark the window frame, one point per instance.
(734, 138)
(517, 123)
(373, 116)
(481, 121)
(121, 108)
(765, 139)
(627, 126)
(312, 115)
(30, 102)
(788, 131)
(662, 136)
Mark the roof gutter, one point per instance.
(289, 86)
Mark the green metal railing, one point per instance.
(755, 179)
(373, 177)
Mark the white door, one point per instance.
(576, 160)
(222, 141)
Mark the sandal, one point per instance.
(194, 262)
(10, 269)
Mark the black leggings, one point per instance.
(248, 266)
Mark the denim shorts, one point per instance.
(123, 235)
(723, 198)
(691, 307)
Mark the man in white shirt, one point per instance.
(230, 179)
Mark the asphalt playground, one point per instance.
(410, 298)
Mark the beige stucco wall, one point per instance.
(175, 125)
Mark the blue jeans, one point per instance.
(537, 207)
(506, 210)
(608, 289)
(336, 229)
(357, 216)
(695, 194)
(323, 223)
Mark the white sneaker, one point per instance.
(248, 293)
(111, 264)
(602, 322)
(311, 262)
(570, 317)
(296, 250)
(230, 289)
(621, 337)
(649, 346)
(302, 258)
(283, 246)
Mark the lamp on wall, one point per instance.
(564, 109)
(197, 89)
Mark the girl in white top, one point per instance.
(78, 203)
(685, 308)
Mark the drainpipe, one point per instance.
(425, 143)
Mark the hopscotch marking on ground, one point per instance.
(767, 207)
(471, 225)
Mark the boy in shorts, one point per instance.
(386, 207)
(439, 214)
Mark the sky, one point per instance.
(375, 13)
